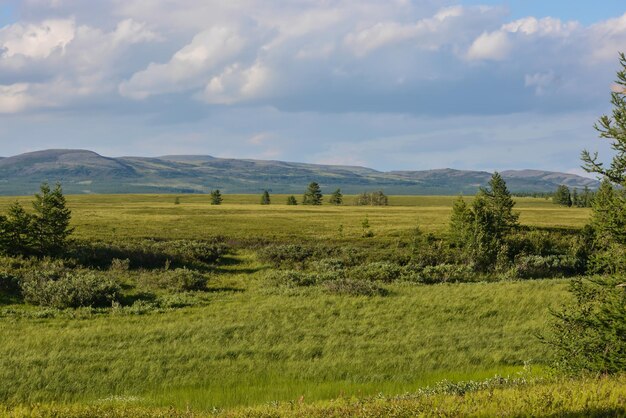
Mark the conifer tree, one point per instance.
(216, 197)
(562, 196)
(336, 198)
(18, 231)
(265, 198)
(612, 128)
(291, 201)
(313, 195)
(51, 221)
(500, 204)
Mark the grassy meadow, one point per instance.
(242, 217)
(241, 343)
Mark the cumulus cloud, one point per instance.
(37, 40)
(209, 51)
(182, 62)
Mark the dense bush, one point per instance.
(149, 253)
(71, 290)
(179, 280)
(441, 273)
(537, 266)
(354, 287)
(284, 254)
(589, 334)
(379, 271)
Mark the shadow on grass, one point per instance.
(10, 298)
(592, 412)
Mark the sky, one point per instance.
(388, 84)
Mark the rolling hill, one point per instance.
(83, 171)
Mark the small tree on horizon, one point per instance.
(291, 201)
(265, 198)
(313, 195)
(336, 198)
(216, 197)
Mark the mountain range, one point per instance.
(83, 171)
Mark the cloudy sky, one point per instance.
(390, 84)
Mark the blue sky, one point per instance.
(585, 11)
(394, 84)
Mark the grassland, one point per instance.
(245, 344)
(241, 217)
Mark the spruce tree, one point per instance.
(313, 195)
(216, 197)
(336, 198)
(500, 204)
(291, 201)
(562, 196)
(265, 198)
(51, 222)
(612, 128)
(18, 231)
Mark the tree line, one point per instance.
(42, 232)
(313, 196)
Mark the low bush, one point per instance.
(179, 280)
(70, 290)
(284, 254)
(379, 271)
(442, 273)
(354, 287)
(537, 266)
(149, 253)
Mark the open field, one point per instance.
(240, 216)
(244, 343)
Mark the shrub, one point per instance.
(285, 254)
(149, 253)
(378, 271)
(611, 260)
(589, 334)
(295, 278)
(441, 273)
(537, 266)
(353, 287)
(71, 290)
(180, 279)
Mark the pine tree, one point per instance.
(336, 198)
(460, 222)
(291, 201)
(562, 196)
(51, 222)
(612, 128)
(313, 195)
(500, 204)
(216, 197)
(265, 198)
(18, 231)
(575, 198)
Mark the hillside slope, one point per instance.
(83, 171)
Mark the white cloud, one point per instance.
(490, 46)
(210, 51)
(14, 97)
(36, 40)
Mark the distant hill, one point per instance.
(83, 171)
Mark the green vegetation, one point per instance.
(265, 198)
(216, 197)
(313, 195)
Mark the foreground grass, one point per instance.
(255, 346)
(603, 397)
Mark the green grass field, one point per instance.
(241, 216)
(244, 344)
